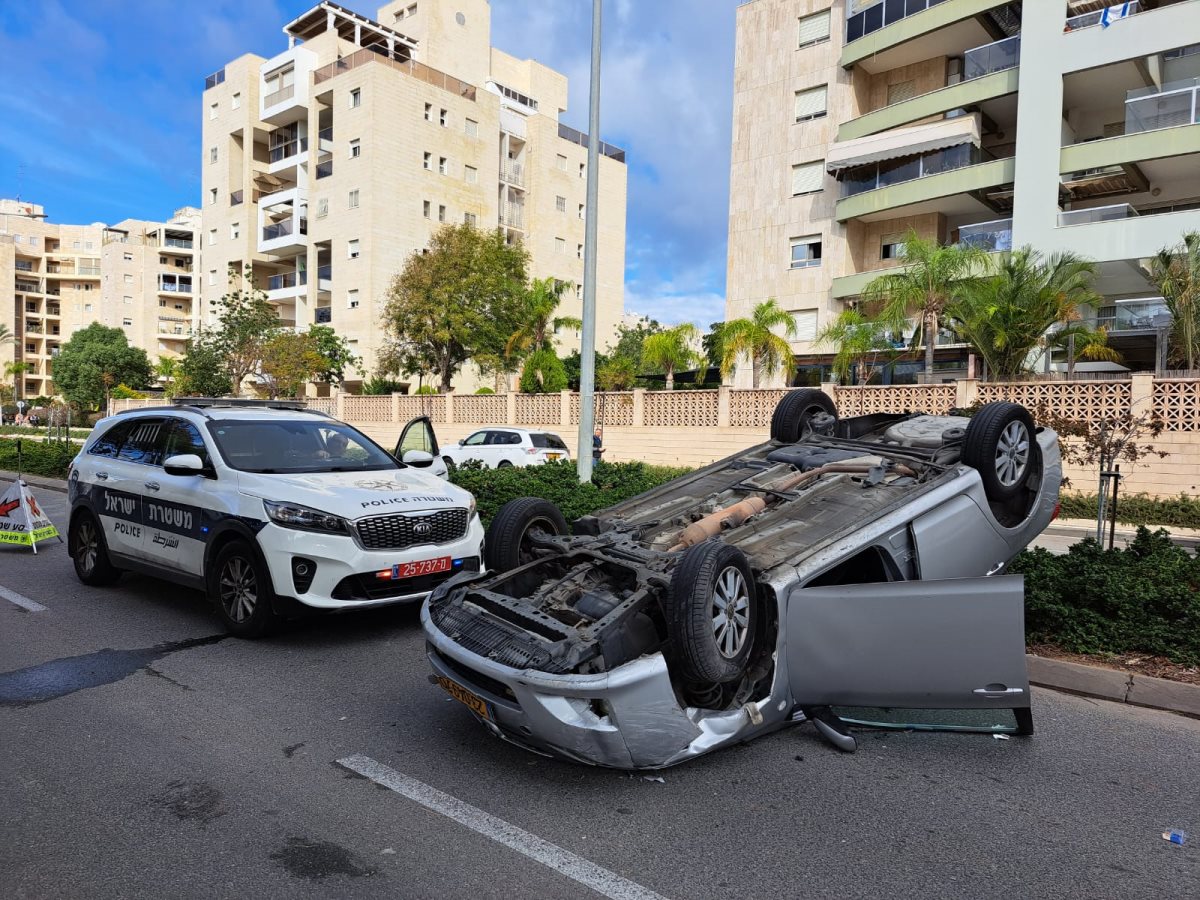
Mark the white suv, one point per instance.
(500, 446)
(270, 508)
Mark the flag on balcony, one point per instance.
(1120, 11)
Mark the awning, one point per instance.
(903, 142)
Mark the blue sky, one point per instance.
(103, 121)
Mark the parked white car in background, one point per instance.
(500, 446)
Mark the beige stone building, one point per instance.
(329, 164)
(1047, 123)
(135, 275)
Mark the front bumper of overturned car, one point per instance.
(627, 718)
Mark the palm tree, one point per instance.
(756, 338)
(1176, 271)
(671, 351)
(933, 277)
(1007, 314)
(16, 370)
(6, 336)
(543, 298)
(1080, 341)
(858, 339)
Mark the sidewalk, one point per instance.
(36, 481)
(1062, 533)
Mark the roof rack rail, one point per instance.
(204, 402)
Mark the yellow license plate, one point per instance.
(553, 456)
(474, 703)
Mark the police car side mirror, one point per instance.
(418, 458)
(184, 464)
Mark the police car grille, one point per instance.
(401, 531)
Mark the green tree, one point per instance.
(1007, 314)
(15, 370)
(464, 297)
(714, 344)
(860, 340)
(755, 338)
(671, 351)
(543, 373)
(933, 276)
(246, 321)
(616, 374)
(1176, 272)
(202, 370)
(335, 352)
(630, 341)
(166, 373)
(95, 360)
(1078, 340)
(289, 360)
(538, 319)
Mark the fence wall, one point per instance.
(692, 428)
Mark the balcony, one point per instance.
(28, 287)
(322, 315)
(288, 149)
(235, 199)
(325, 169)
(888, 172)
(217, 77)
(512, 216)
(925, 28)
(567, 133)
(417, 70)
(89, 271)
(289, 284)
(959, 178)
(988, 236)
(990, 58)
(32, 327)
(325, 140)
(23, 266)
(325, 277)
(53, 311)
(172, 326)
(178, 243)
(1096, 214)
(284, 229)
(1087, 20)
(1139, 314)
(284, 238)
(171, 284)
(512, 173)
(1152, 109)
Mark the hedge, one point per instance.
(49, 459)
(558, 483)
(1138, 509)
(1142, 599)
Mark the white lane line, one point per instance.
(21, 600)
(600, 880)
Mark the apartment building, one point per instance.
(135, 275)
(328, 165)
(1063, 126)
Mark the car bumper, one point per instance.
(628, 718)
(345, 572)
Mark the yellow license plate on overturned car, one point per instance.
(473, 702)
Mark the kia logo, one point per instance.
(421, 529)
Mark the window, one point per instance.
(560, 245)
(33, 240)
(428, 112)
(811, 103)
(162, 304)
(442, 117)
(128, 278)
(322, 207)
(352, 298)
(516, 95)
(126, 323)
(87, 307)
(352, 203)
(235, 101)
(76, 245)
(129, 258)
(185, 439)
(212, 276)
(235, 231)
(110, 442)
(579, 292)
(162, 260)
(808, 178)
(355, 98)
(471, 127)
(469, 219)
(470, 174)
(427, 160)
(142, 443)
(212, 196)
(579, 251)
(814, 29)
(425, 208)
(806, 325)
(560, 204)
(892, 246)
(212, 236)
(560, 163)
(442, 165)
(806, 252)
(352, 248)
(583, 170)
(128, 301)
(355, 149)
(441, 213)
(901, 91)
(212, 155)
(581, 210)
(212, 111)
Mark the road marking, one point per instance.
(601, 880)
(21, 600)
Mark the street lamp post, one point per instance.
(587, 349)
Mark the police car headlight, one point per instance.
(471, 509)
(292, 515)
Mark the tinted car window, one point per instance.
(184, 439)
(553, 441)
(144, 444)
(476, 439)
(110, 442)
(292, 446)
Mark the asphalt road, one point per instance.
(137, 761)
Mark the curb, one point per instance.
(47, 484)
(1114, 685)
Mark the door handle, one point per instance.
(994, 569)
(103, 476)
(997, 692)
(152, 485)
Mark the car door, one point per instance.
(175, 514)
(419, 435)
(126, 480)
(956, 540)
(505, 446)
(473, 447)
(955, 646)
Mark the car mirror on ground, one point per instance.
(417, 458)
(184, 464)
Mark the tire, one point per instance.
(1000, 445)
(240, 589)
(89, 551)
(506, 545)
(790, 423)
(710, 648)
(504, 464)
(451, 465)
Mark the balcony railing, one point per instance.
(177, 242)
(284, 93)
(324, 273)
(174, 287)
(89, 270)
(567, 133)
(33, 327)
(235, 199)
(325, 134)
(323, 315)
(909, 168)
(29, 287)
(294, 147)
(882, 14)
(54, 292)
(512, 173)
(1136, 315)
(408, 66)
(512, 216)
(1096, 214)
(53, 311)
(217, 77)
(287, 280)
(1087, 20)
(988, 236)
(989, 58)
(283, 229)
(1174, 104)
(23, 266)
(325, 169)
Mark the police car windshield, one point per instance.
(290, 446)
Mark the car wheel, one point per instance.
(711, 612)
(504, 464)
(240, 588)
(793, 414)
(450, 464)
(1001, 446)
(89, 551)
(507, 544)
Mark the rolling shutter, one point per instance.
(901, 91)
(807, 177)
(806, 325)
(811, 103)
(814, 28)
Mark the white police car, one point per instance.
(268, 507)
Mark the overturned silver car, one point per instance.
(846, 571)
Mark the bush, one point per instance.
(377, 386)
(50, 459)
(558, 483)
(485, 391)
(1144, 599)
(543, 373)
(1138, 509)
(425, 389)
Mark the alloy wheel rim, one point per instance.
(731, 612)
(88, 546)
(1012, 454)
(239, 589)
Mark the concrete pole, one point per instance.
(587, 349)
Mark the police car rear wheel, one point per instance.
(242, 592)
(89, 552)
